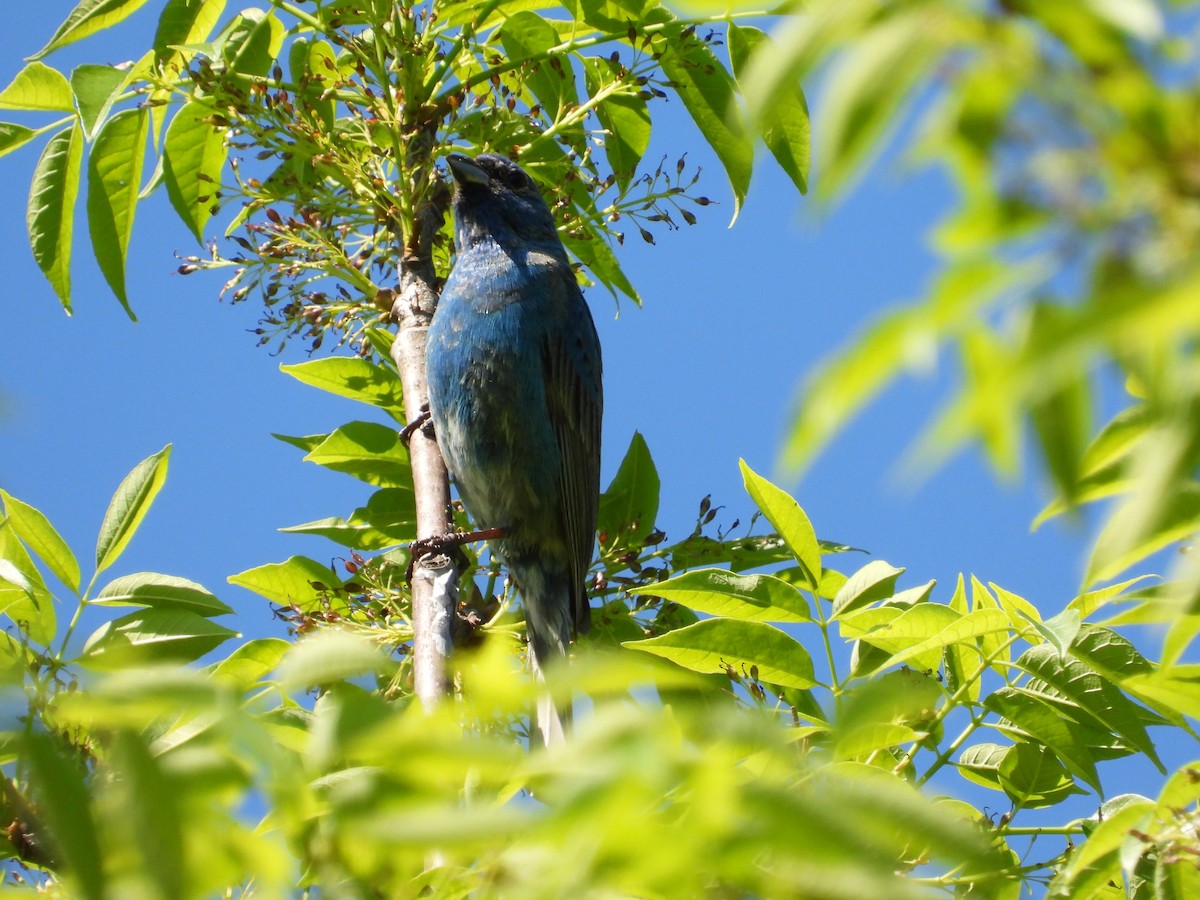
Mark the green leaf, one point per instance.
(1109, 653)
(1060, 631)
(719, 592)
(194, 154)
(32, 527)
(1099, 851)
(527, 36)
(329, 656)
(129, 506)
(1087, 603)
(713, 646)
(1033, 777)
(50, 215)
(707, 91)
(61, 796)
(1062, 418)
(992, 646)
(185, 22)
(296, 581)
(161, 592)
(134, 697)
(353, 377)
(1176, 689)
(88, 18)
(37, 86)
(151, 636)
(961, 662)
(873, 582)
(1175, 518)
(13, 136)
(789, 520)
(368, 451)
(149, 802)
(24, 598)
(629, 507)
(305, 442)
(1175, 878)
(980, 763)
(786, 130)
(866, 93)
(96, 88)
(252, 41)
(594, 252)
(1090, 694)
(919, 633)
(1043, 722)
(624, 118)
(388, 519)
(251, 662)
(114, 178)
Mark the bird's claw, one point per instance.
(420, 422)
(441, 543)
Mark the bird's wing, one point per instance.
(574, 400)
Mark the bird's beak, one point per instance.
(465, 171)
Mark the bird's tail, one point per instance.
(552, 721)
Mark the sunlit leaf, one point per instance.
(96, 88)
(32, 527)
(129, 506)
(1040, 720)
(625, 119)
(39, 87)
(88, 18)
(526, 35)
(114, 179)
(789, 520)
(866, 94)
(250, 43)
(1093, 694)
(62, 796)
(356, 378)
(873, 582)
(707, 91)
(13, 136)
(719, 592)
(24, 599)
(368, 451)
(629, 506)
(298, 580)
(251, 661)
(152, 636)
(150, 805)
(161, 592)
(327, 657)
(786, 130)
(717, 645)
(194, 154)
(50, 214)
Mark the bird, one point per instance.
(514, 372)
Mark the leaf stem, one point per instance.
(951, 704)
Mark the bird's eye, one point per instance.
(516, 179)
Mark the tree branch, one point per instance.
(435, 578)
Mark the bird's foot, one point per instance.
(441, 543)
(421, 422)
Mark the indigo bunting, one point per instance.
(513, 365)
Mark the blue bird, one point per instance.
(513, 365)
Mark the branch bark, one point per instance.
(435, 578)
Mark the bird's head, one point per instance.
(494, 198)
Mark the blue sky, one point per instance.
(707, 371)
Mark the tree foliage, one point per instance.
(768, 717)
